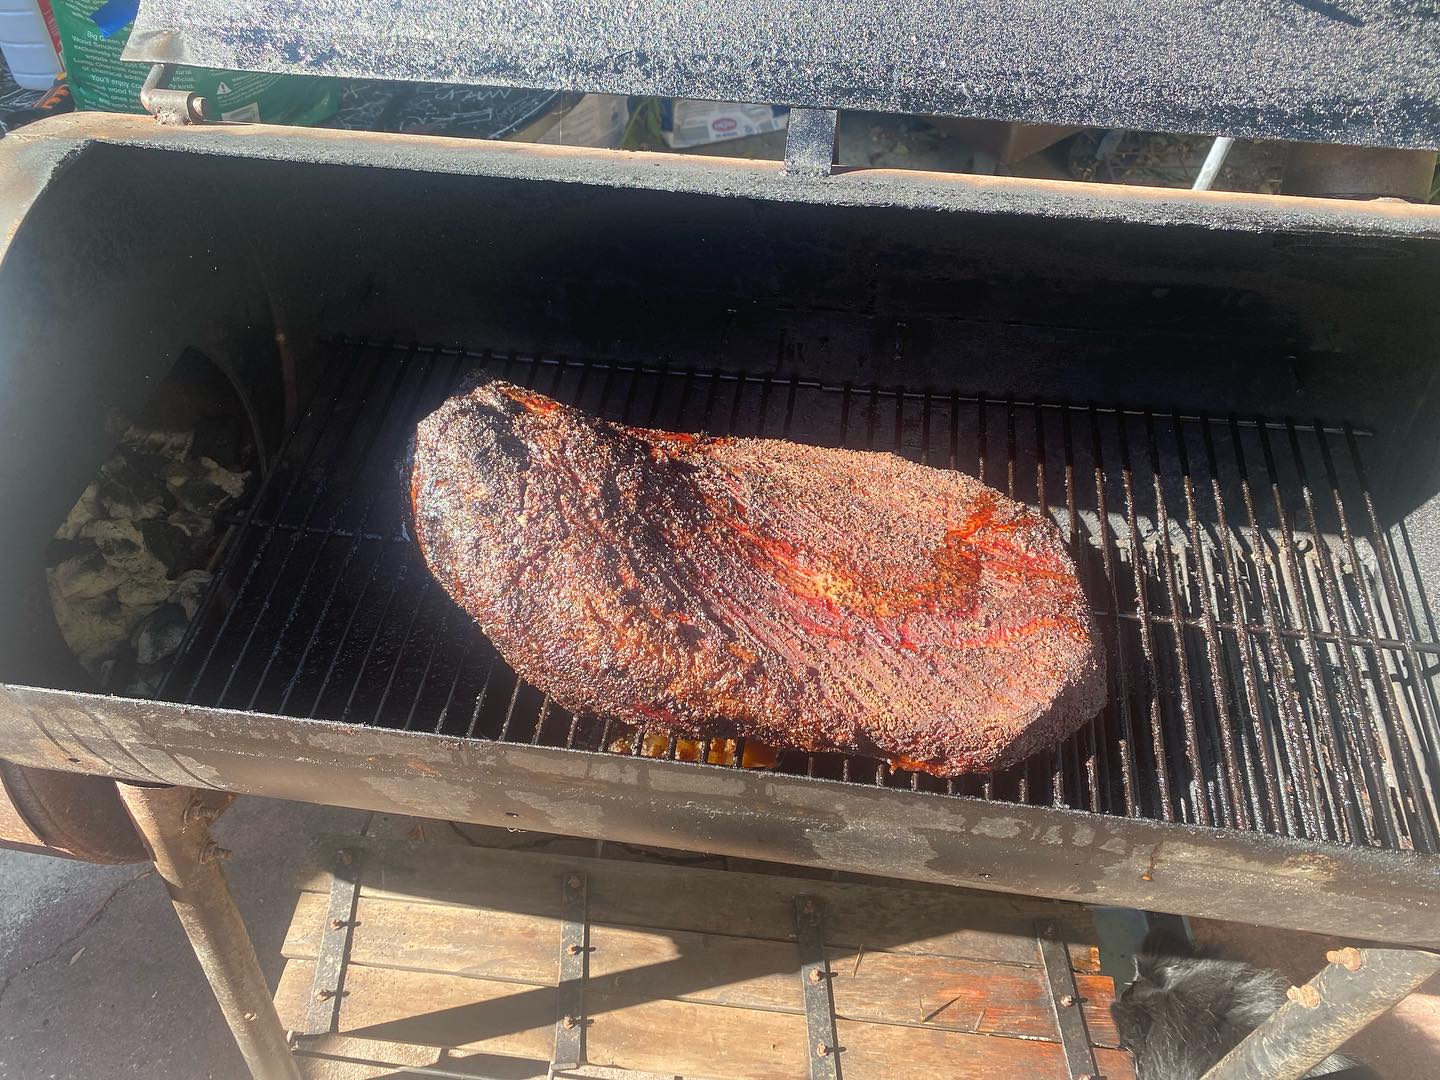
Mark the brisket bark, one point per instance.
(808, 597)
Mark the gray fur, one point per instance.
(1184, 1012)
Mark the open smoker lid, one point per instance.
(1363, 72)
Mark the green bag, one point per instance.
(100, 80)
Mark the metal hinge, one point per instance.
(173, 106)
(810, 141)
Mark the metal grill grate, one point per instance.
(1272, 666)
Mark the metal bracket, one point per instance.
(574, 970)
(173, 107)
(823, 1051)
(323, 1012)
(810, 142)
(1065, 1001)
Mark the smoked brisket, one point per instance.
(807, 597)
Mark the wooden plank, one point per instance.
(670, 1037)
(429, 937)
(989, 926)
(340, 1057)
(961, 995)
(747, 973)
(391, 1053)
(937, 991)
(477, 1015)
(946, 992)
(694, 1041)
(900, 1053)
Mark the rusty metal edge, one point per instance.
(66, 813)
(1038, 851)
(739, 178)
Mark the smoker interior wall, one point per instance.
(131, 254)
(1312, 324)
(111, 273)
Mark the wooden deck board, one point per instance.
(692, 972)
(944, 992)
(981, 926)
(684, 1038)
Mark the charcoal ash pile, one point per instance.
(131, 563)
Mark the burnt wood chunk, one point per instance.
(809, 597)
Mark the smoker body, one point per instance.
(282, 254)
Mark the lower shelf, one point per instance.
(452, 966)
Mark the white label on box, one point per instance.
(245, 114)
(700, 123)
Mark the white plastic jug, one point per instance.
(26, 43)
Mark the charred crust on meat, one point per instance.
(809, 597)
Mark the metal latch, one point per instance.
(173, 106)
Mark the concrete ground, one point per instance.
(97, 979)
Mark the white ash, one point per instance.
(123, 549)
(87, 508)
(159, 634)
(127, 575)
(190, 589)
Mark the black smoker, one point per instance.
(1224, 400)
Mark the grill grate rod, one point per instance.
(1383, 772)
(314, 502)
(293, 608)
(321, 405)
(1200, 793)
(356, 536)
(1117, 667)
(1248, 645)
(1348, 732)
(1231, 794)
(1422, 805)
(1096, 763)
(1149, 668)
(914, 395)
(1316, 731)
(1264, 668)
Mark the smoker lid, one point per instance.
(1364, 72)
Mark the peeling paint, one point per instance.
(1000, 828)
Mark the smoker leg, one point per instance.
(1358, 986)
(175, 824)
